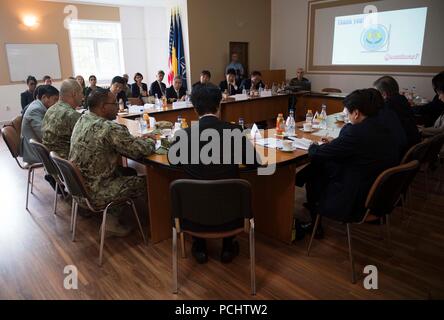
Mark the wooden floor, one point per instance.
(35, 247)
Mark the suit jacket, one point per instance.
(231, 90)
(390, 120)
(172, 95)
(135, 90)
(430, 112)
(246, 84)
(348, 166)
(214, 171)
(400, 105)
(155, 88)
(26, 98)
(32, 129)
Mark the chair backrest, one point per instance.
(12, 140)
(71, 176)
(43, 154)
(388, 187)
(417, 152)
(332, 90)
(17, 124)
(211, 203)
(436, 144)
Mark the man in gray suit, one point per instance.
(46, 96)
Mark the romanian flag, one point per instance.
(176, 62)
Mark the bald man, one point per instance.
(59, 120)
(300, 83)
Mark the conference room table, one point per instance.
(273, 195)
(252, 110)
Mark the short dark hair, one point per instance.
(97, 97)
(45, 90)
(231, 72)
(138, 74)
(256, 73)
(46, 78)
(92, 76)
(206, 73)
(206, 98)
(387, 85)
(438, 82)
(118, 79)
(367, 101)
(31, 78)
(161, 72)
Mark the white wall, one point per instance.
(288, 51)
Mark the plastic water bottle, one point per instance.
(323, 123)
(309, 117)
(241, 123)
(244, 92)
(290, 125)
(158, 103)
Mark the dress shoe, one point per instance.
(115, 228)
(199, 252)
(229, 251)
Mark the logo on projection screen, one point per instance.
(375, 38)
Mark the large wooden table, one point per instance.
(273, 195)
(251, 110)
(314, 101)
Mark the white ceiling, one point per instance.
(130, 3)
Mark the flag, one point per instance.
(176, 62)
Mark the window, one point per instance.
(96, 49)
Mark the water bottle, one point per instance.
(323, 124)
(241, 123)
(158, 103)
(309, 117)
(290, 125)
(244, 92)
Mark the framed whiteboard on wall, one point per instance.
(37, 60)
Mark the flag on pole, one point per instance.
(176, 62)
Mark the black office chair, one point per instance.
(210, 204)
(432, 159)
(50, 168)
(74, 183)
(381, 201)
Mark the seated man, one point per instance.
(205, 77)
(60, 119)
(230, 86)
(342, 172)
(158, 87)
(438, 127)
(127, 86)
(431, 111)
(254, 83)
(97, 144)
(389, 89)
(176, 92)
(118, 89)
(300, 83)
(206, 101)
(46, 97)
(28, 96)
(47, 80)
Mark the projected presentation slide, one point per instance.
(384, 38)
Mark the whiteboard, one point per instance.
(35, 60)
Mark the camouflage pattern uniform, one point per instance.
(57, 127)
(97, 145)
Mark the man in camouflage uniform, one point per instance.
(97, 144)
(59, 120)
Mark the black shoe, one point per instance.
(300, 231)
(199, 252)
(229, 252)
(319, 233)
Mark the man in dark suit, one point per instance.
(205, 77)
(206, 101)
(389, 89)
(28, 96)
(230, 84)
(176, 92)
(342, 172)
(158, 87)
(430, 112)
(255, 82)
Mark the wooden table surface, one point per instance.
(272, 195)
